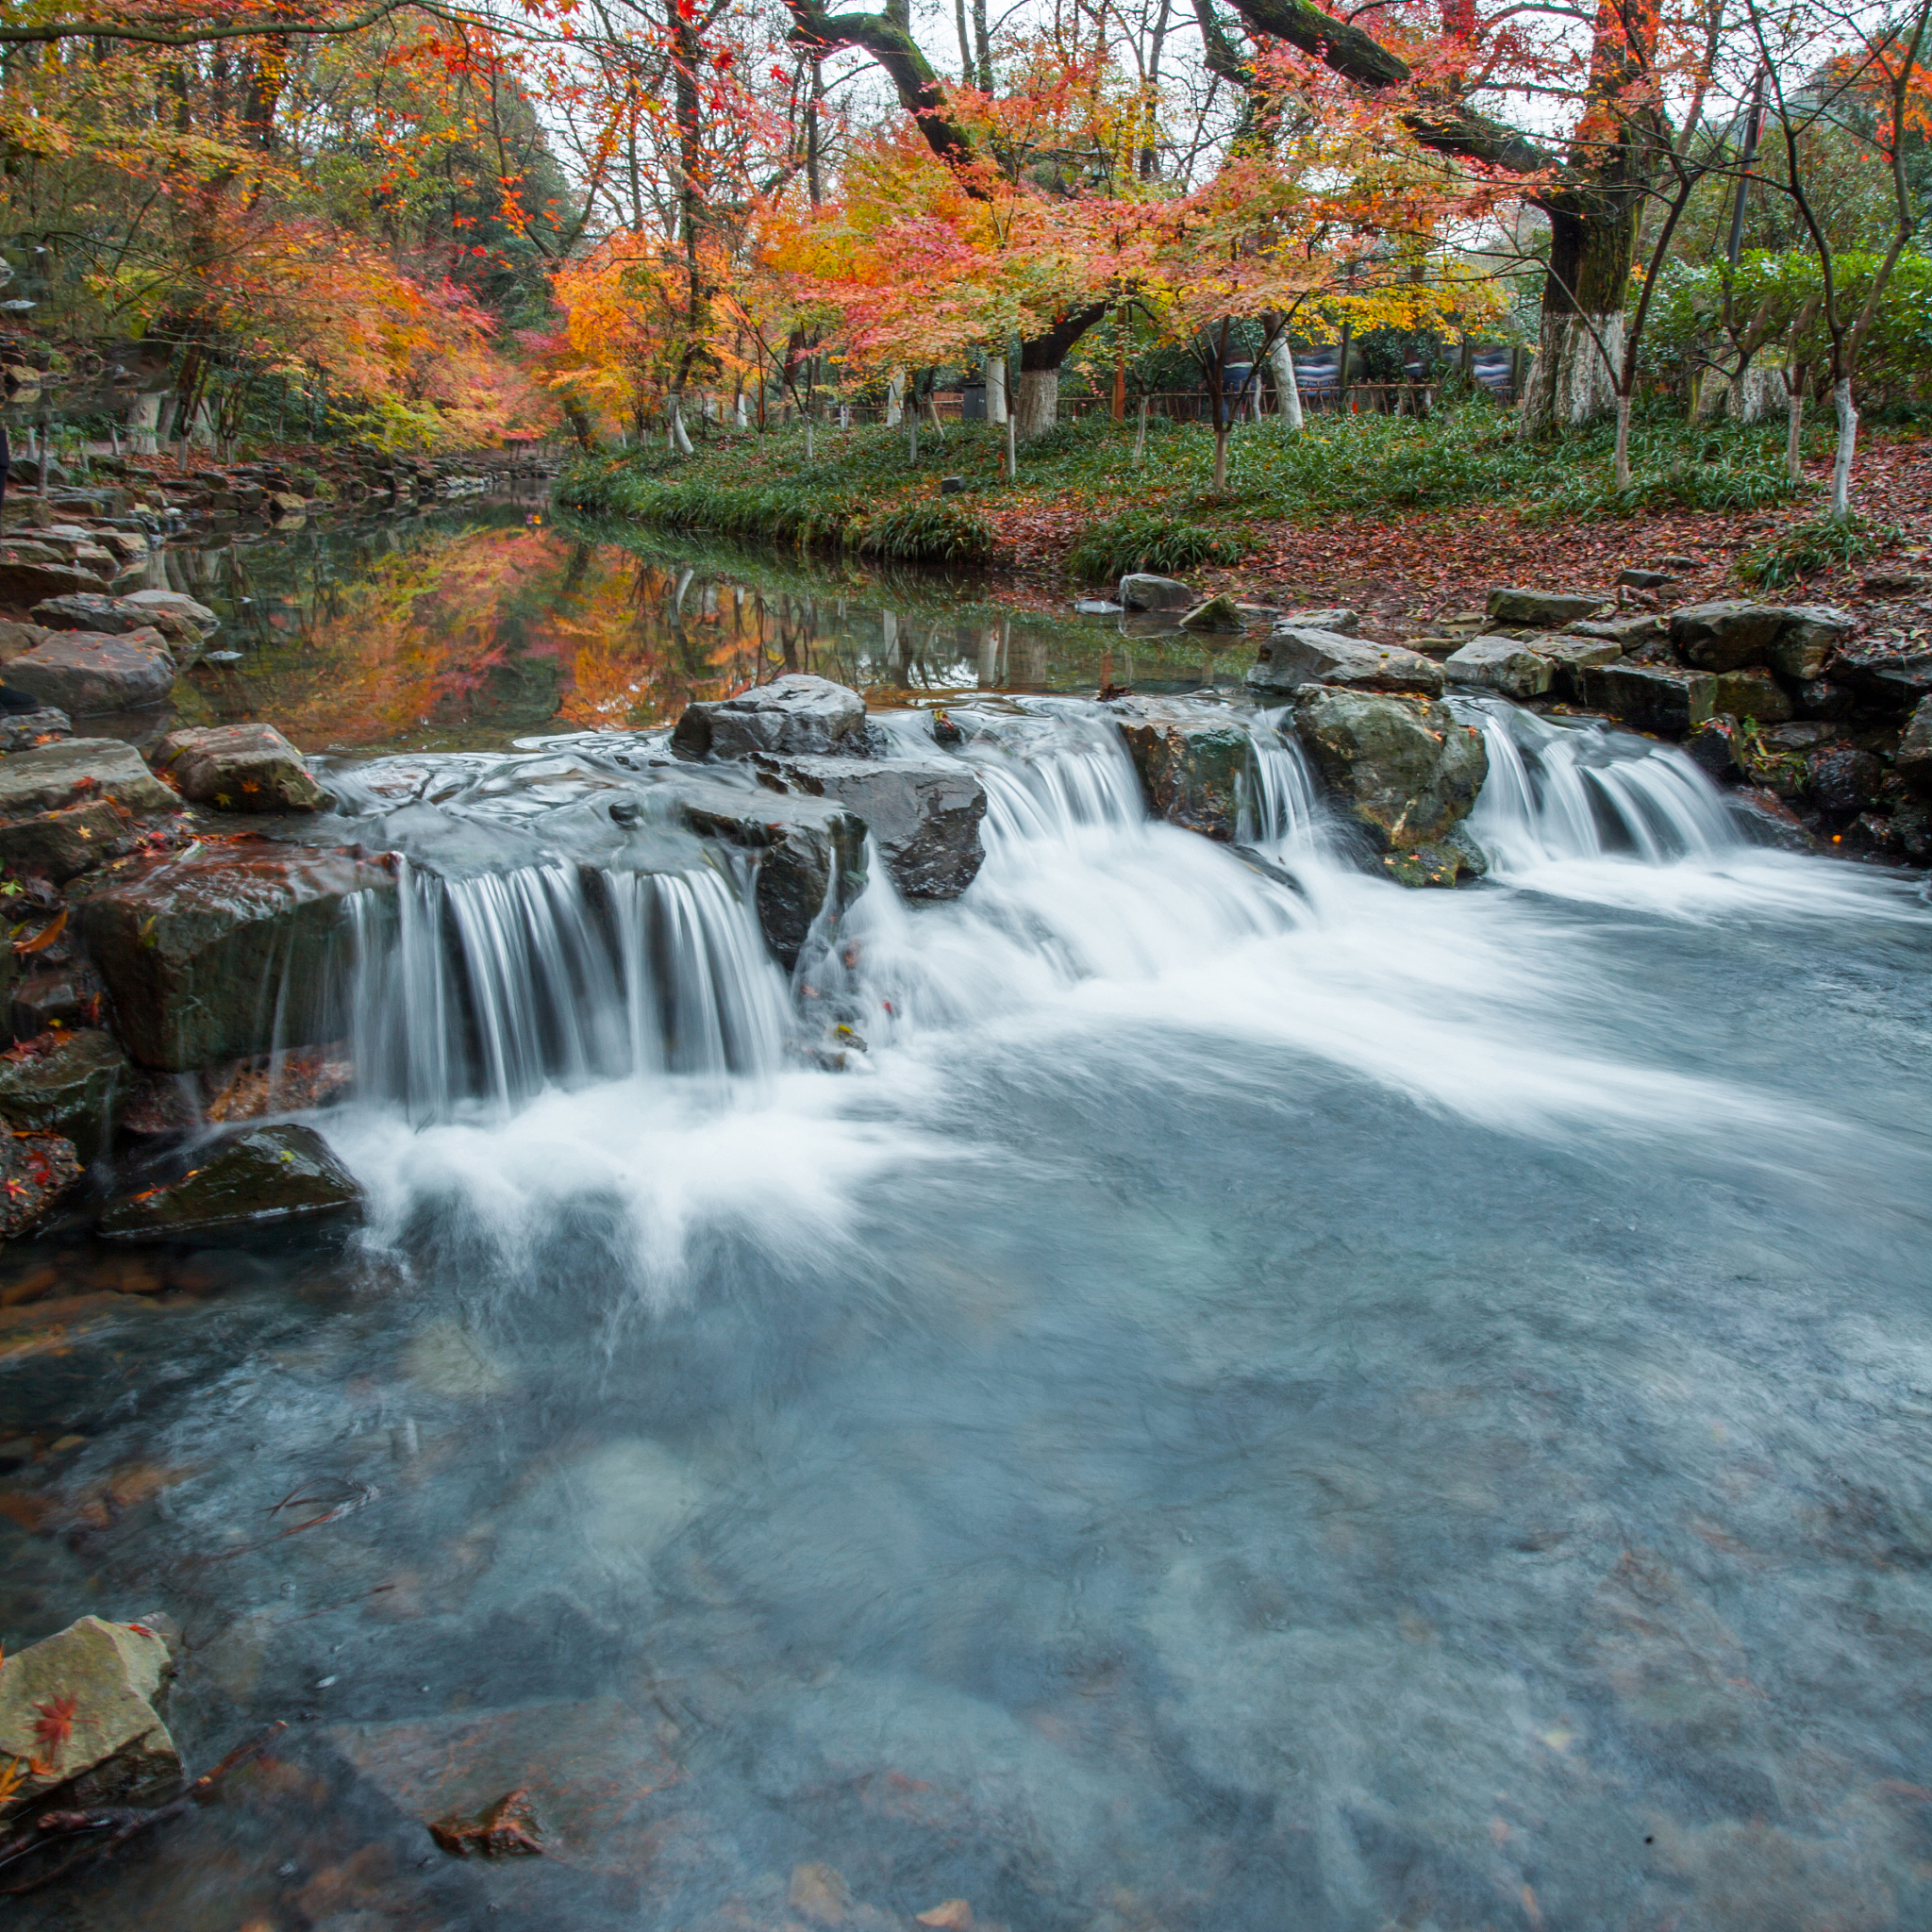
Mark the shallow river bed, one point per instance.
(1259, 1400)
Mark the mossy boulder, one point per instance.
(246, 768)
(1193, 767)
(258, 1179)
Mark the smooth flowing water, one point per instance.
(1258, 1400)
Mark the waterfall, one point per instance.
(1580, 790)
(1281, 808)
(498, 985)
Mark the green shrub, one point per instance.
(1806, 549)
(924, 531)
(1142, 539)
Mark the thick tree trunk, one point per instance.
(1288, 391)
(1847, 446)
(1037, 408)
(996, 411)
(895, 397)
(1580, 344)
(680, 436)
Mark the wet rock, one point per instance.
(248, 768)
(505, 1829)
(1626, 633)
(1500, 665)
(226, 954)
(1568, 657)
(114, 616)
(1139, 591)
(1192, 765)
(1911, 823)
(809, 855)
(924, 814)
(51, 776)
(1729, 634)
(1291, 657)
(1652, 697)
(181, 605)
(16, 637)
(84, 673)
(1886, 680)
(36, 1170)
(1809, 636)
(67, 1083)
(1803, 734)
(797, 715)
(104, 1681)
(1403, 769)
(1714, 746)
(1843, 779)
(60, 845)
(1771, 766)
(1825, 698)
(1913, 758)
(1752, 694)
(23, 730)
(68, 994)
(261, 1178)
(1771, 822)
(23, 583)
(1339, 619)
(1214, 614)
(1542, 609)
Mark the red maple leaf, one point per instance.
(54, 1725)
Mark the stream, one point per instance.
(1256, 1399)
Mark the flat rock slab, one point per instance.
(1652, 697)
(1500, 665)
(248, 768)
(798, 715)
(1214, 614)
(180, 604)
(1541, 607)
(50, 775)
(229, 953)
(1291, 656)
(115, 1750)
(266, 1176)
(23, 730)
(924, 814)
(85, 671)
(24, 582)
(1338, 618)
(62, 844)
(588, 1767)
(96, 610)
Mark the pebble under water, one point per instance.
(1259, 1400)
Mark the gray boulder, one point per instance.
(798, 715)
(116, 616)
(809, 854)
(1192, 766)
(23, 730)
(266, 1176)
(1626, 633)
(1544, 609)
(924, 815)
(67, 1083)
(1568, 656)
(1729, 634)
(180, 604)
(116, 1751)
(1753, 694)
(1886, 680)
(1913, 758)
(249, 768)
(24, 581)
(1809, 633)
(62, 844)
(1348, 623)
(1405, 770)
(1657, 698)
(1500, 665)
(49, 775)
(1140, 591)
(1291, 657)
(1215, 614)
(85, 673)
(227, 954)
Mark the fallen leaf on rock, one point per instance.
(955, 1915)
(505, 1829)
(820, 1892)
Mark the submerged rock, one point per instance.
(104, 1680)
(1539, 607)
(84, 673)
(34, 1171)
(1652, 697)
(1500, 665)
(248, 768)
(226, 954)
(1291, 657)
(68, 1083)
(809, 855)
(1141, 591)
(795, 715)
(924, 814)
(50, 775)
(1192, 764)
(1405, 770)
(263, 1177)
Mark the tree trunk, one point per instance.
(1037, 408)
(1623, 442)
(1580, 344)
(1039, 402)
(895, 397)
(1220, 450)
(680, 437)
(1012, 452)
(1847, 444)
(1140, 434)
(996, 411)
(1794, 424)
(1288, 391)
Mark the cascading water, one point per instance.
(1582, 791)
(498, 985)
(1278, 807)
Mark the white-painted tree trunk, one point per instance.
(1287, 390)
(1140, 434)
(1794, 426)
(680, 436)
(1623, 442)
(1570, 381)
(1037, 406)
(1847, 446)
(741, 410)
(895, 397)
(145, 424)
(1012, 450)
(1751, 397)
(996, 409)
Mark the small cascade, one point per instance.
(1054, 779)
(498, 985)
(1280, 807)
(1576, 791)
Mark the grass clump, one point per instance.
(1806, 549)
(1144, 540)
